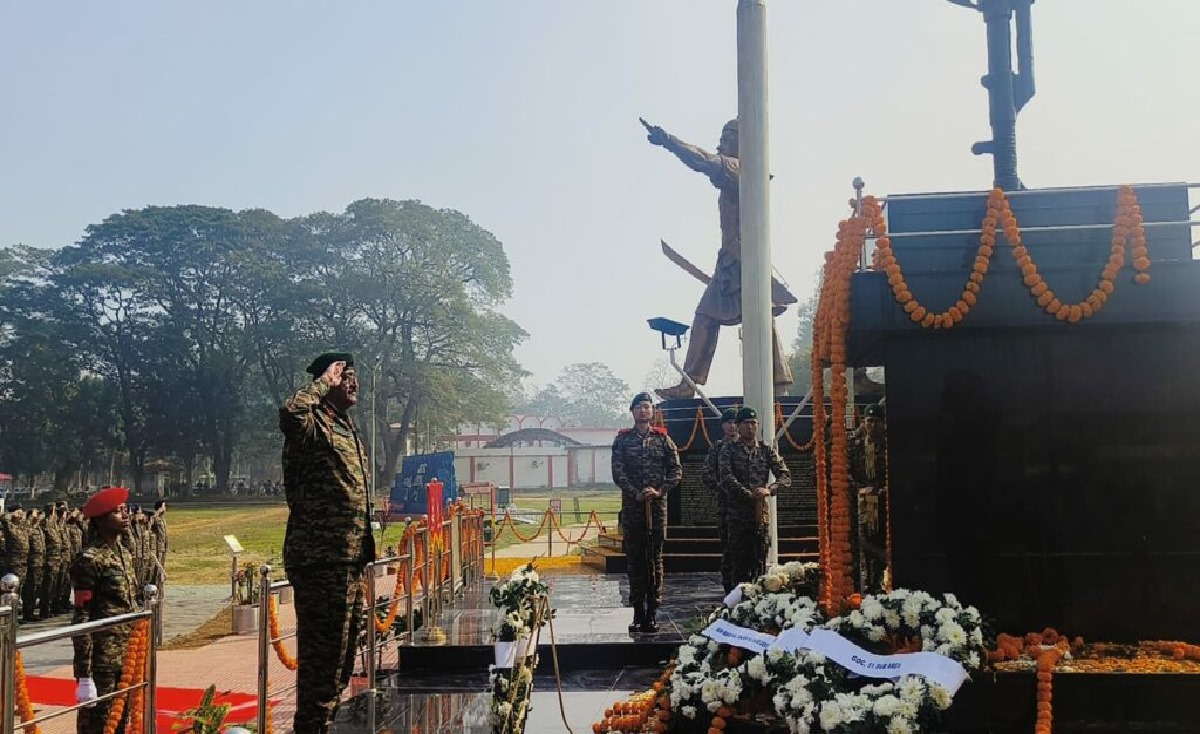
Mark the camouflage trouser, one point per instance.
(91, 720)
(49, 592)
(726, 555)
(643, 564)
(64, 586)
(746, 545)
(329, 605)
(31, 588)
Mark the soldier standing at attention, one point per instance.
(868, 499)
(745, 467)
(710, 478)
(104, 582)
(36, 567)
(329, 540)
(645, 465)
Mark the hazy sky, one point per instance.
(523, 114)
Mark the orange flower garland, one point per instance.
(1128, 225)
(24, 705)
(829, 344)
(133, 672)
(281, 651)
(643, 712)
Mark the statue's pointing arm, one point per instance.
(720, 169)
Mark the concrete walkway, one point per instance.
(184, 609)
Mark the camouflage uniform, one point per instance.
(16, 550)
(150, 562)
(710, 478)
(105, 586)
(158, 526)
(868, 487)
(48, 596)
(70, 549)
(35, 569)
(743, 466)
(640, 461)
(328, 542)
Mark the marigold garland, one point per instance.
(829, 345)
(133, 673)
(779, 421)
(648, 711)
(1128, 225)
(24, 704)
(698, 427)
(281, 651)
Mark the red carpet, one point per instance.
(171, 701)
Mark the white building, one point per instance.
(534, 452)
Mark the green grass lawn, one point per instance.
(198, 554)
(606, 501)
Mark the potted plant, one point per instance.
(245, 604)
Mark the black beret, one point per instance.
(874, 410)
(729, 414)
(320, 364)
(642, 397)
(747, 414)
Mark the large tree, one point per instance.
(184, 328)
(418, 292)
(584, 394)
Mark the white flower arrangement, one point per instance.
(511, 689)
(803, 689)
(515, 598)
(523, 610)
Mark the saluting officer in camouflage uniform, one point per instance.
(710, 478)
(48, 596)
(645, 465)
(158, 526)
(16, 546)
(745, 468)
(36, 568)
(328, 541)
(105, 586)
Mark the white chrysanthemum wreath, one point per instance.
(805, 690)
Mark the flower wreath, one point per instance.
(805, 690)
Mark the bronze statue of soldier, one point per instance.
(721, 304)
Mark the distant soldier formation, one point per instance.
(39, 546)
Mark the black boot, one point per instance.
(648, 623)
(639, 617)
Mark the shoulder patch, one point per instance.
(659, 430)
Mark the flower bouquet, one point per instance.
(802, 690)
(524, 609)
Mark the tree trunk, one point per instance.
(395, 445)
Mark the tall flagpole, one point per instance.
(758, 385)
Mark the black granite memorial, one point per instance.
(1046, 472)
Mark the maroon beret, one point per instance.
(105, 501)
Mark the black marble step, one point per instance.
(613, 561)
(590, 630)
(693, 546)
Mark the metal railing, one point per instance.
(11, 644)
(443, 570)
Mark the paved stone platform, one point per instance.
(447, 704)
(590, 628)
